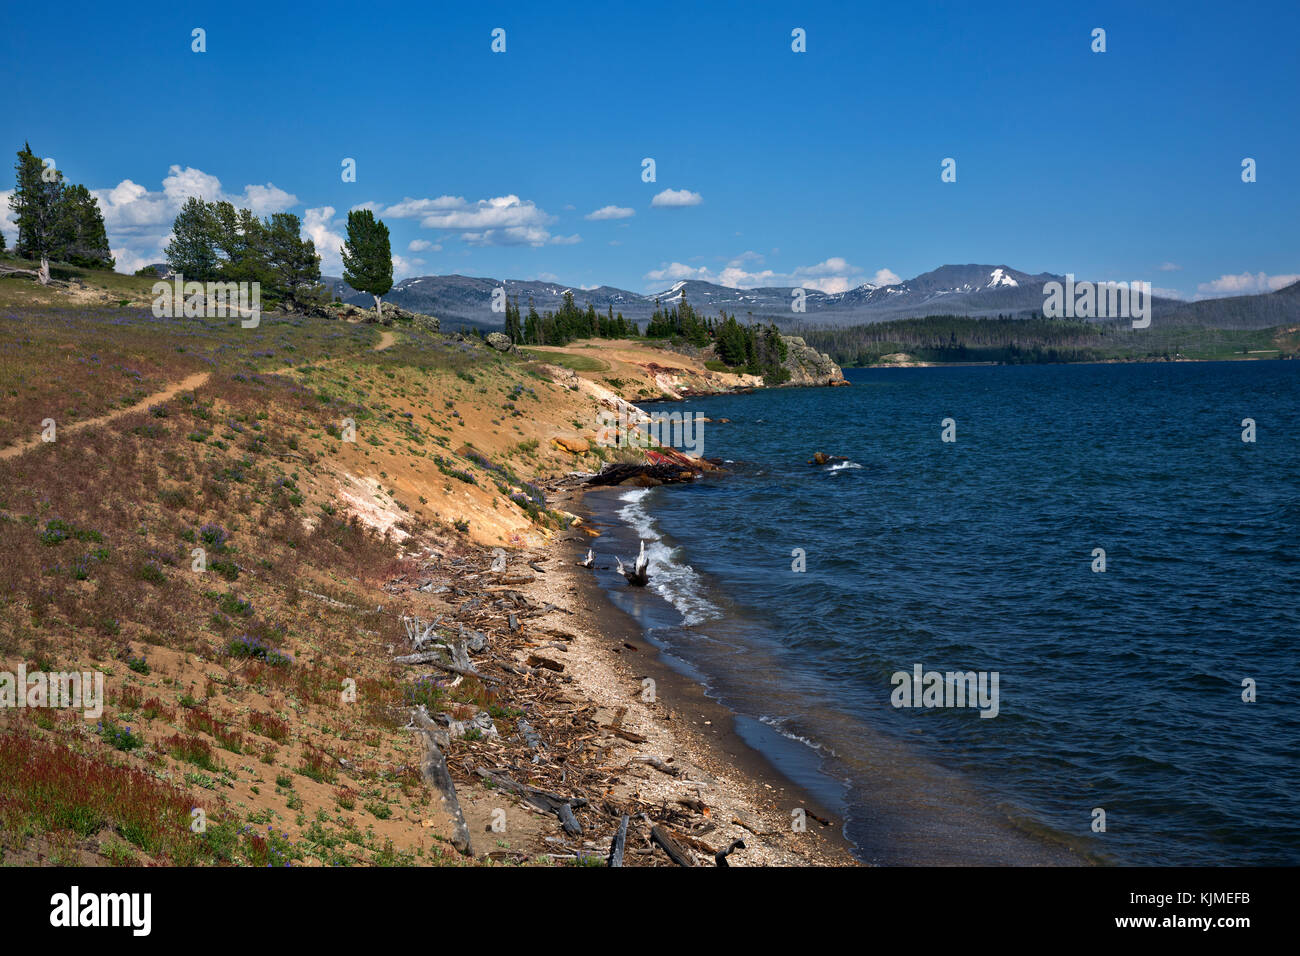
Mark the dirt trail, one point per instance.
(186, 385)
(386, 340)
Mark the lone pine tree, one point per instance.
(367, 257)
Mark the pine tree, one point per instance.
(193, 251)
(79, 231)
(35, 204)
(514, 331)
(368, 257)
(532, 325)
(291, 261)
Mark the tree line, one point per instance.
(214, 242)
(57, 221)
(564, 325)
(755, 349)
(962, 338)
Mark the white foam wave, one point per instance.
(670, 578)
(843, 466)
(778, 724)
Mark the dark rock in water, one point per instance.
(821, 458)
(618, 473)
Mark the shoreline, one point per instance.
(920, 810)
(699, 731)
(1117, 361)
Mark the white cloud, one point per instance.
(138, 221)
(424, 245)
(127, 261)
(1244, 284)
(611, 212)
(674, 271)
(404, 268)
(1170, 267)
(180, 184)
(8, 224)
(500, 221)
(676, 197)
(831, 275)
(321, 228)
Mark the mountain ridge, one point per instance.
(972, 289)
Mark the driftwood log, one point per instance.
(659, 764)
(664, 838)
(619, 472)
(543, 800)
(721, 857)
(435, 773)
(433, 659)
(619, 843)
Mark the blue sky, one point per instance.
(819, 168)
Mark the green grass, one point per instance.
(578, 363)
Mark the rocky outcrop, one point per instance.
(392, 313)
(500, 342)
(807, 366)
(574, 446)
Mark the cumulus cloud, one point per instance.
(8, 225)
(499, 221)
(404, 268)
(181, 184)
(125, 260)
(676, 197)
(423, 245)
(831, 275)
(1244, 284)
(138, 220)
(611, 212)
(320, 226)
(674, 271)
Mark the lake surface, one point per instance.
(1118, 690)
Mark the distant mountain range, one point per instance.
(975, 290)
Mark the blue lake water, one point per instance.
(1119, 691)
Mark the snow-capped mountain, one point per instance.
(952, 289)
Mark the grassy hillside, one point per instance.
(223, 684)
(203, 534)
